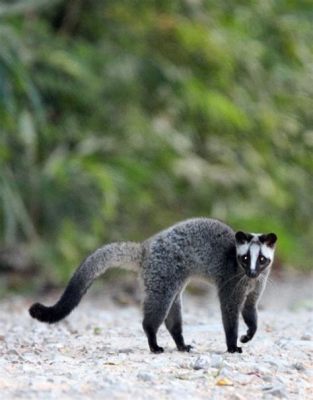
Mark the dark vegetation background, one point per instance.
(119, 118)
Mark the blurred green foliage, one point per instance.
(119, 118)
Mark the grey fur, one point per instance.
(200, 247)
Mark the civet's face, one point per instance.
(255, 252)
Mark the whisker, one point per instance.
(272, 283)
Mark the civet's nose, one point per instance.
(252, 274)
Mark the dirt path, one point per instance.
(100, 352)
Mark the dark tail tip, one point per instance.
(43, 313)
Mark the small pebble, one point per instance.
(201, 363)
(276, 392)
(298, 366)
(216, 361)
(145, 376)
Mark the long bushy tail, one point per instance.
(125, 254)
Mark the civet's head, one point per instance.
(255, 252)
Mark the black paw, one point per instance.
(185, 347)
(157, 350)
(234, 349)
(245, 338)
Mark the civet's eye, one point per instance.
(245, 258)
(262, 259)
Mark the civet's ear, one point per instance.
(242, 237)
(269, 239)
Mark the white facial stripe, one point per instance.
(255, 237)
(254, 253)
(242, 249)
(267, 251)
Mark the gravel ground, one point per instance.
(100, 351)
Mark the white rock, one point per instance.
(267, 378)
(145, 376)
(276, 392)
(298, 366)
(261, 369)
(217, 361)
(201, 363)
